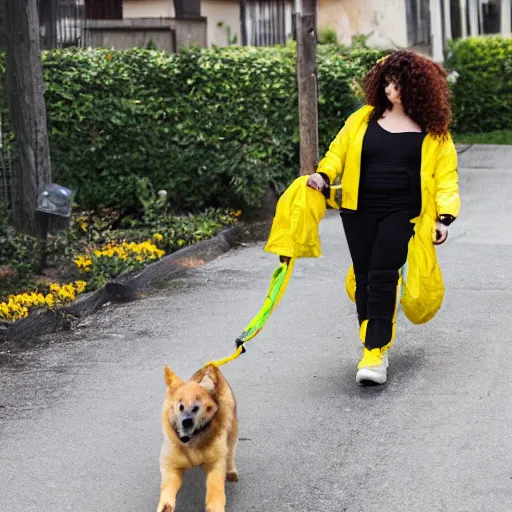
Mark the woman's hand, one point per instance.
(316, 182)
(441, 234)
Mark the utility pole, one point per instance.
(306, 30)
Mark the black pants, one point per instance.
(378, 246)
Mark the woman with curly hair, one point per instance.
(397, 164)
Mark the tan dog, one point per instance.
(200, 429)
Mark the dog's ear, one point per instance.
(209, 380)
(172, 380)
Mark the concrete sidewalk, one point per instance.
(80, 418)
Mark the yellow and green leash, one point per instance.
(278, 284)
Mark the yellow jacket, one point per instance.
(423, 288)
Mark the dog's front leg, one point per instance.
(171, 484)
(215, 487)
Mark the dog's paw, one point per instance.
(165, 507)
(232, 476)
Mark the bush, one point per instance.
(213, 128)
(483, 91)
(328, 36)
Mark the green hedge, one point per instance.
(213, 127)
(483, 91)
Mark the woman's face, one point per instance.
(392, 91)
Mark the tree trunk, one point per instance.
(307, 82)
(24, 78)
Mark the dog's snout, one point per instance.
(187, 423)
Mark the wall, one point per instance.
(148, 9)
(126, 34)
(226, 11)
(166, 33)
(384, 19)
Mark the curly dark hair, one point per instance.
(423, 86)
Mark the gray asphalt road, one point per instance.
(80, 417)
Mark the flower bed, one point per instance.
(96, 248)
(19, 306)
(114, 258)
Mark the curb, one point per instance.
(126, 287)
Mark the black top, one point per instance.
(390, 171)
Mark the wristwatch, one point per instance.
(445, 219)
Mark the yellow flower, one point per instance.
(83, 262)
(4, 310)
(50, 301)
(237, 213)
(80, 286)
(158, 236)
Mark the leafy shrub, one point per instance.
(328, 36)
(213, 128)
(483, 90)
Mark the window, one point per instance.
(266, 22)
(104, 9)
(418, 22)
(62, 23)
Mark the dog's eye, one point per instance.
(182, 407)
(195, 409)
(209, 408)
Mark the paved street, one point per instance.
(80, 416)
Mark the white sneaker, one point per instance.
(373, 368)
